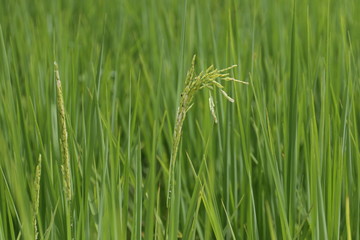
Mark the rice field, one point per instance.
(179, 119)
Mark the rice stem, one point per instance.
(193, 83)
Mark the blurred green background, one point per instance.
(280, 164)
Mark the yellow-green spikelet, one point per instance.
(37, 195)
(64, 148)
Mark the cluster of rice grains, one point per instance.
(65, 163)
(205, 79)
(65, 159)
(36, 196)
(64, 148)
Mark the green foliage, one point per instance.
(282, 162)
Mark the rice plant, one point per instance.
(206, 79)
(131, 144)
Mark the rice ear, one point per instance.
(65, 163)
(193, 84)
(36, 196)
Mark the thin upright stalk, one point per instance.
(37, 196)
(65, 157)
(193, 84)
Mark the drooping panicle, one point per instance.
(193, 83)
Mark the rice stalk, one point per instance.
(37, 196)
(65, 163)
(205, 79)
